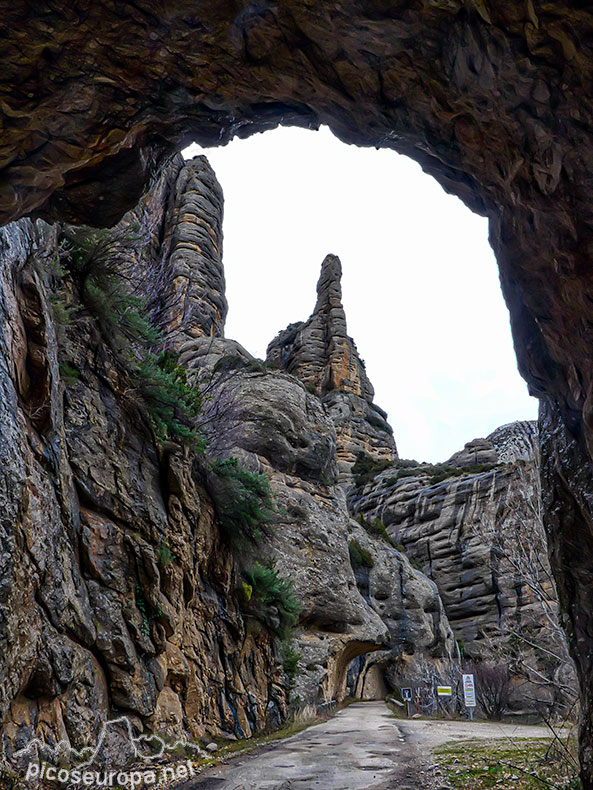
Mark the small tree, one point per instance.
(493, 687)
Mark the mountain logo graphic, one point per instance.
(144, 747)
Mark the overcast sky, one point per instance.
(420, 282)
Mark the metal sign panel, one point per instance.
(406, 694)
(469, 691)
(444, 691)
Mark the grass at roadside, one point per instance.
(230, 750)
(520, 764)
(234, 748)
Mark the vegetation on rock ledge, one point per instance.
(99, 264)
(243, 500)
(271, 599)
(359, 556)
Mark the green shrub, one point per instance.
(99, 262)
(165, 556)
(366, 469)
(69, 374)
(272, 600)
(99, 259)
(408, 473)
(143, 609)
(243, 500)
(328, 479)
(415, 563)
(174, 407)
(290, 662)
(359, 557)
(61, 309)
(377, 528)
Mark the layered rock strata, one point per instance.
(474, 525)
(176, 230)
(320, 353)
(274, 425)
(118, 592)
(490, 98)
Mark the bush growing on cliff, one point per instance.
(290, 662)
(405, 463)
(272, 601)
(99, 261)
(173, 405)
(359, 556)
(243, 500)
(366, 469)
(69, 374)
(377, 528)
(165, 556)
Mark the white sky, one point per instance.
(420, 283)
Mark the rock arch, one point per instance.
(492, 98)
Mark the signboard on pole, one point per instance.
(469, 691)
(407, 695)
(444, 691)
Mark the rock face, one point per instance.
(320, 353)
(273, 424)
(474, 525)
(119, 592)
(179, 257)
(490, 98)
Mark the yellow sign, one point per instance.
(444, 691)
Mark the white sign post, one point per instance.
(469, 694)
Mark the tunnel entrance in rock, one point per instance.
(365, 679)
(420, 281)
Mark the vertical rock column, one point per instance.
(179, 268)
(320, 353)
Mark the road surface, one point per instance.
(362, 747)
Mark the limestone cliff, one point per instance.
(474, 525)
(320, 353)
(120, 592)
(491, 98)
(273, 424)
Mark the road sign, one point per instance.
(469, 691)
(444, 691)
(407, 695)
